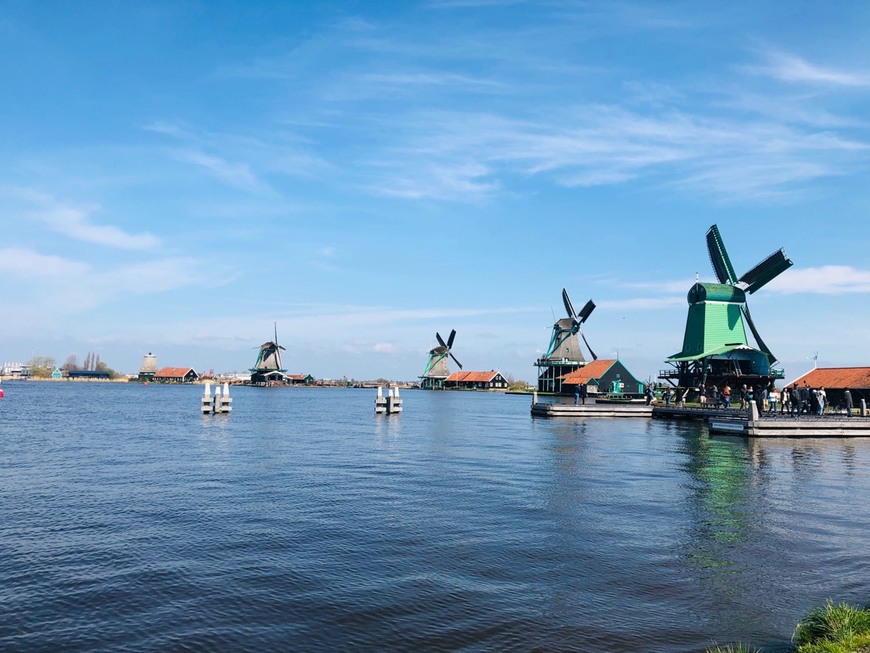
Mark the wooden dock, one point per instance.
(766, 425)
(591, 409)
(721, 421)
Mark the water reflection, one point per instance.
(719, 496)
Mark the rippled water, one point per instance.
(129, 522)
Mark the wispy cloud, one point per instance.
(67, 286)
(824, 280)
(788, 67)
(75, 221)
(26, 263)
(234, 174)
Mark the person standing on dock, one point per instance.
(726, 396)
(773, 399)
(584, 392)
(577, 394)
(794, 397)
(823, 400)
(847, 397)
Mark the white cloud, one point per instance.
(26, 263)
(238, 175)
(792, 68)
(75, 221)
(824, 280)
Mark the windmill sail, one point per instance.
(761, 345)
(766, 271)
(719, 257)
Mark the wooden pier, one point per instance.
(734, 421)
(772, 425)
(591, 409)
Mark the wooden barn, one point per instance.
(491, 380)
(603, 376)
(88, 375)
(298, 379)
(836, 380)
(176, 375)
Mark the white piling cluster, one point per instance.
(222, 403)
(391, 403)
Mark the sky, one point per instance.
(180, 177)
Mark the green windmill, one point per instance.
(436, 365)
(563, 353)
(716, 349)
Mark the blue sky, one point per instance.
(178, 176)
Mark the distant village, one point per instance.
(722, 350)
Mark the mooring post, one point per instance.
(380, 401)
(218, 403)
(863, 408)
(394, 404)
(226, 400)
(207, 406)
(753, 412)
(534, 397)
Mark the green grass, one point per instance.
(833, 628)
(739, 647)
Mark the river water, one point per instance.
(304, 522)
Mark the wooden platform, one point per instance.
(591, 410)
(783, 426)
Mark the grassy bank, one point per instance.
(833, 628)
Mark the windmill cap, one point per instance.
(715, 292)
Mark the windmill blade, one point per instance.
(719, 257)
(568, 305)
(454, 360)
(766, 271)
(594, 357)
(440, 340)
(450, 338)
(586, 311)
(763, 347)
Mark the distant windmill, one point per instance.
(715, 345)
(564, 354)
(436, 365)
(563, 341)
(268, 369)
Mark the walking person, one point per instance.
(726, 396)
(584, 392)
(577, 394)
(823, 400)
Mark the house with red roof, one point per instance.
(603, 376)
(836, 380)
(491, 380)
(176, 375)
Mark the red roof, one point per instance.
(593, 370)
(836, 377)
(471, 377)
(173, 372)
